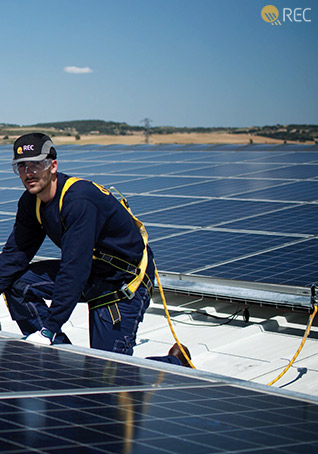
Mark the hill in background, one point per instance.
(99, 131)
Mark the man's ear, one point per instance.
(53, 166)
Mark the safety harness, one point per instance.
(127, 291)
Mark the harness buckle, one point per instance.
(128, 293)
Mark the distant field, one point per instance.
(181, 138)
(102, 132)
(208, 138)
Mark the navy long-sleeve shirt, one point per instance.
(91, 220)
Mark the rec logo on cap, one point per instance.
(19, 150)
(28, 147)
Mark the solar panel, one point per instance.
(6, 226)
(281, 157)
(217, 187)
(228, 170)
(149, 204)
(60, 400)
(216, 212)
(156, 232)
(155, 155)
(169, 146)
(228, 147)
(10, 193)
(295, 219)
(299, 171)
(295, 146)
(211, 157)
(261, 146)
(210, 247)
(294, 265)
(197, 146)
(167, 169)
(304, 156)
(295, 191)
(146, 184)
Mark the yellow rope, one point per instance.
(311, 319)
(169, 320)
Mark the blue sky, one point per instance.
(177, 62)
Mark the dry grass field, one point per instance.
(181, 138)
(154, 139)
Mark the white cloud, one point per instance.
(77, 70)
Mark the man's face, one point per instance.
(37, 176)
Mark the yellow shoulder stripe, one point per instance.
(37, 210)
(66, 186)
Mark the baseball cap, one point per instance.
(33, 147)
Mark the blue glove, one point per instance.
(44, 337)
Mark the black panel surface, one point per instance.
(68, 402)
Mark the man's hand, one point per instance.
(44, 337)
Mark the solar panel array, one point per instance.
(61, 401)
(222, 211)
(244, 213)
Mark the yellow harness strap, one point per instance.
(130, 288)
(134, 284)
(37, 210)
(66, 186)
(68, 183)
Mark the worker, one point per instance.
(105, 260)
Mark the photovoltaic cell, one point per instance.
(198, 146)
(156, 233)
(163, 169)
(108, 180)
(217, 187)
(10, 190)
(159, 157)
(244, 155)
(295, 147)
(169, 146)
(228, 147)
(25, 367)
(146, 184)
(6, 224)
(141, 205)
(292, 265)
(291, 172)
(298, 219)
(208, 248)
(107, 167)
(230, 170)
(300, 157)
(277, 157)
(8, 207)
(211, 212)
(141, 146)
(305, 191)
(286, 158)
(261, 146)
(217, 157)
